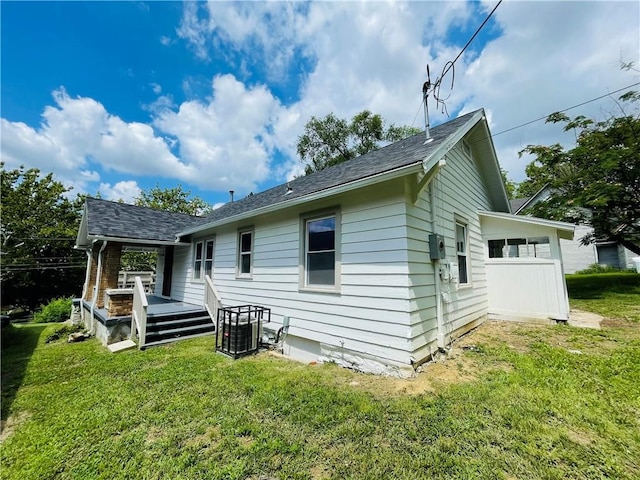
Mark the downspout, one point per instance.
(86, 279)
(436, 273)
(96, 287)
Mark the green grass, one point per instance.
(614, 295)
(533, 409)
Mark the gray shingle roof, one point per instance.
(517, 203)
(113, 219)
(403, 153)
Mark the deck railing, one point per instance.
(212, 300)
(139, 312)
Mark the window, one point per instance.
(320, 259)
(203, 259)
(245, 249)
(461, 252)
(532, 247)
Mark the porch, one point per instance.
(166, 321)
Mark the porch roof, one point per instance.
(565, 230)
(121, 222)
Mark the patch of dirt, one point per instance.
(581, 438)
(318, 472)
(154, 434)
(8, 426)
(616, 323)
(246, 440)
(209, 438)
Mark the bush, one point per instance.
(597, 268)
(57, 310)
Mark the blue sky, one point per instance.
(121, 96)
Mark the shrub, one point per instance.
(57, 310)
(597, 268)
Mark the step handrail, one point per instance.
(212, 300)
(139, 312)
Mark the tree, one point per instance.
(331, 140)
(597, 182)
(38, 225)
(174, 200)
(509, 185)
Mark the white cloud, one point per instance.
(157, 89)
(364, 55)
(127, 191)
(374, 55)
(225, 140)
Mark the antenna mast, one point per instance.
(425, 96)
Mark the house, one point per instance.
(376, 263)
(575, 255)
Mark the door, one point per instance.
(167, 271)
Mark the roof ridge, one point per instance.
(131, 205)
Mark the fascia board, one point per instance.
(135, 240)
(564, 228)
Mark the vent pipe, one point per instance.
(231, 195)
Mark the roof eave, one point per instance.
(565, 229)
(137, 241)
(338, 189)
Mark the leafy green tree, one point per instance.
(38, 225)
(596, 182)
(174, 200)
(510, 186)
(331, 140)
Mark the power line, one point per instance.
(565, 109)
(437, 85)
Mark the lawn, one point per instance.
(511, 401)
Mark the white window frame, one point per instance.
(303, 276)
(239, 272)
(462, 254)
(529, 241)
(203, 260)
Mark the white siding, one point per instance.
(370, 313)
(576, 256)
(459, 194)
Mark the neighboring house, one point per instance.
(378, 262)
(575, 255)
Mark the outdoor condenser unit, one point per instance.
(437, 249)
(239, 329)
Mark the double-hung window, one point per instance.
(321, 252)
(203, 259)
(461, 252)
(245, 253)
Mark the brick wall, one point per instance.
(119, 303)
(93, 270)
(110, 268)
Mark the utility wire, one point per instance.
(435, 87)
(451, 64)
(565, 110)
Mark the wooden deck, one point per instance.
(157, 307)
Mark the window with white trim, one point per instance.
(531, 247)
(245, 253)
(203, 259)
(461, 252)
(320, 253)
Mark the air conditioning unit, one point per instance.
(437, 249)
